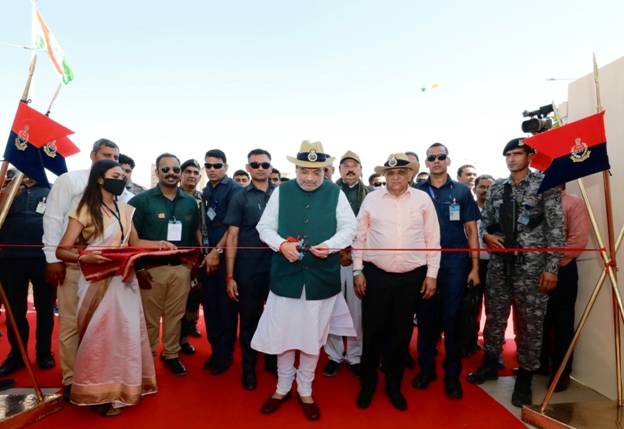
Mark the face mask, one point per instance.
(114, 186)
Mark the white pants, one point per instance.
(286, 372)
(335, 344)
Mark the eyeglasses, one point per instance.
(264, 165)
(216, 166)
(440, 157)
(378, 184)
(165, 170)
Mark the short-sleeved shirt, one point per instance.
(216, 200)
(244, 211)
(452, 233)
(154, 211)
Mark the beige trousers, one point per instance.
(167, 300)
(67, 297)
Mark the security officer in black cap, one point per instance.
(517, 216)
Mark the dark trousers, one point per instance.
(15, 275)
(470, 313)
(559, 320)
(253, 289)
(441, 314)
(219, 315)
(387, 317)
(189, 321)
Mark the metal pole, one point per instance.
(577, 333)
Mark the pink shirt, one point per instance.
(405, 222)
(576, 225)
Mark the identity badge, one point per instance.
(41, 207)
(454, 213)
(174, 230)
(211, 213)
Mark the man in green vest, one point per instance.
(350, 183)
(307, 222)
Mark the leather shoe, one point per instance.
(249, 381)
(10, 365)
(311, 411)
(187, 348)
(331, 368)
(365, 397)
(272, 404)
(453, 387)
(356, 369)
(45, 361)
(422, 380)
(220, 367)
(176, 366)
(397, 399)
(67, 392)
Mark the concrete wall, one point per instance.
(594, 361)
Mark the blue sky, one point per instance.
(188, 76)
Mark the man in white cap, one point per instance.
(306, 222)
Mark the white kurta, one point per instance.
(297, 323)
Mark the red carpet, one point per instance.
(200, 400)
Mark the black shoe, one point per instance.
(46, 361)
(67, 392)
(209, 363)
(331, 368)
(397, 399)
(356, 369)
(10, 365)
(187, 348)
(249, 381)
(219, 368)
(194, 332)
(453, 387)
(409, 362)
(176, 366)
(422, 380)
(365, 397)
(487, 371)
(7, 383)
(522, 394)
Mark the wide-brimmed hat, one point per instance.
(397, 160)
(311, 155)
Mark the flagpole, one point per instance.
(606, 179)
(56, 93)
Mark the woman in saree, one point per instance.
(114, 366)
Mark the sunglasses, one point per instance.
(440, 157)
(378, 184)
(165, 170)
(216, 166)
(264, 165)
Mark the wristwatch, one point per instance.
(219, 249)
(357, 273)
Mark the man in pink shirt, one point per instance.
(559, 319)
(389, 282)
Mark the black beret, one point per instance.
(516, 143)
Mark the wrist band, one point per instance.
(229, 277)
(358, 273)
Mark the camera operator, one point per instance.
(516, 216)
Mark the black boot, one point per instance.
(487, 371)
(522, 394)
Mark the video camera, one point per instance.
(539, 121)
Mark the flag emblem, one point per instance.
(21, 141)
(50, 149)
(580, 151)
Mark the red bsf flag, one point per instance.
(570, 152)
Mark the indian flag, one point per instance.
(44, 40)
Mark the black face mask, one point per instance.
(114, 186)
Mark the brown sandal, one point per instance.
(107, 410)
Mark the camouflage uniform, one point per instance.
(539, 223)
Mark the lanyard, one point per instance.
(173, 206)
(117, 215)
(434, 195)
